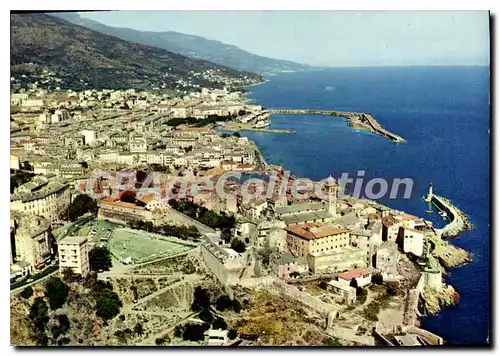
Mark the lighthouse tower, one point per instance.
(331, 189)
(429, 194)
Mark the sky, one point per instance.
(330, 38)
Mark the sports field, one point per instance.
(134, 246)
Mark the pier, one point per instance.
(235, 127)
(356, 120)
(458, 221)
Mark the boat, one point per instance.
(261, 124)
(443, 214)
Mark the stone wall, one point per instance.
(309, 300)
(175, 217)
(433, 339)
(348, 258)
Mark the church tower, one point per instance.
(331, 189)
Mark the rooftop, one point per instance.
(313, 231)
(296, 208)
(354, 273)
(388, 221)
(73, 240)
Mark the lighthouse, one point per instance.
(429, 194)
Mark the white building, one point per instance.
(14, 161)
(362, 276)
(18, 98)
(74, 254)
(217, 337)
(90, 136)
(413, 241)
(32, 103)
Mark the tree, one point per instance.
(232, 334)
(226, 235)
(57, 292)
(26, 293)
(129, 197)
(238, 245)
(81, 205)
(219, 323)
(395, 289)
(178, 330)
(19, 178)
(39, 314)
(236, 134)
(138, 329)
(354, 283)
(108, 305)
(160, 341)
(195, 332)
(206, 315)
(377, 278)
(68, 275)
(84, 164)
(223, 302)
(236, 306)
(361, 295)
(61, 328)
(100, 259)
(201, 299)
(27, 166)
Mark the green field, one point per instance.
(135, 246)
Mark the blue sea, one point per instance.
(442, 112)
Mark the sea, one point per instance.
(444, 115)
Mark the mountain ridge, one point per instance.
(192, 46)
(81, 55)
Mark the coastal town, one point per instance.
(106, 226)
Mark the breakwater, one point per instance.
(355, 119)
(458, 220)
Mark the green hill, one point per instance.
(84, 58)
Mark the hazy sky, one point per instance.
(333, 38)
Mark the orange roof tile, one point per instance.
(304, 231)
(388, 221)
(354, 273)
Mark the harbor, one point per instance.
(235, 127)
(356, 120)
(457, 220)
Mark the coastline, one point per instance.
(459, 224)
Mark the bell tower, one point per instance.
(331, 190)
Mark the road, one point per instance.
(35, 281)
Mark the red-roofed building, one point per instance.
(315, 238)
(363, 277)
(122, 212)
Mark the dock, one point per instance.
(248, 127)
(458, 221)
(356, 120)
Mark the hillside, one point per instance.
(192, 46)
(84, 58)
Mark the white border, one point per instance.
(206, 5)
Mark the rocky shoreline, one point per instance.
(434, 300)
